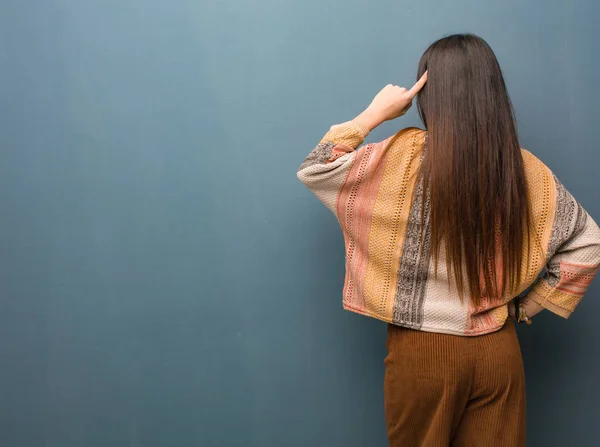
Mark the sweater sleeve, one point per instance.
(324, 170)
(573, 257)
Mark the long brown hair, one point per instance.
(472, 169)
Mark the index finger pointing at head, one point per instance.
(418, 86)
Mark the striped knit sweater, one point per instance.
(389, 276)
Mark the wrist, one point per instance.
(521, 314)
(369, 119)
(512, 309)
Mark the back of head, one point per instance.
(473, 167)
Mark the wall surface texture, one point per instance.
(165, 280)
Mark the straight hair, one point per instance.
(473, 169)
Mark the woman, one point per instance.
(443, 228)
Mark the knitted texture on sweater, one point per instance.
(375, 192)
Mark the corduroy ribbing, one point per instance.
(445, 390)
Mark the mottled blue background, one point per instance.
(165, 280)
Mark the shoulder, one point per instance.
(406, 137)
(530, 159)
(534, 167)
(411, 133)
(542, 192)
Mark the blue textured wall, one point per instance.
(165, 280)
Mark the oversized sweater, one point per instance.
(390, 276)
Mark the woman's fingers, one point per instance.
(393, 101)
(418, 86)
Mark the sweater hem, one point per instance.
(422, 328)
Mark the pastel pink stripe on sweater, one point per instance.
(363, 182)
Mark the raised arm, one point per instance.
(325, 168)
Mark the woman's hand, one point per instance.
(531, 308)
(390, 103)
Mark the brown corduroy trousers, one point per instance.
(447, 390)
